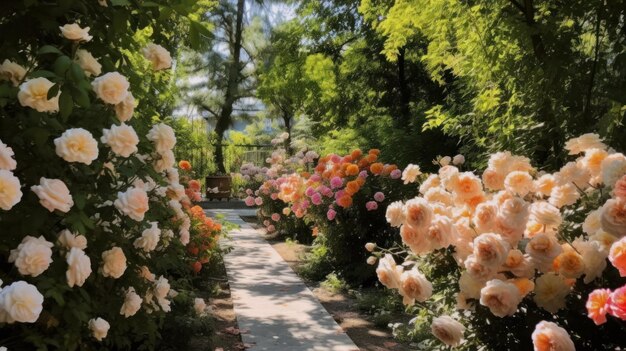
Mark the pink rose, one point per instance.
(371, 205)
(379, 196)
(331, 214)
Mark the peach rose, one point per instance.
(132, 303)
(583, 143)
(99, 328)
(440, 233)
(592, 162)
(617, 303)
(549, 336)
(415, 239)
(12, 71)
(77, 145)
(597, 305)
(613, 218)
(493, 179)
(544, 184)
(389, 274)
(163, 137)
(34, 94)
(477, 270)
(418, 213)
(133, 203)
(569, 263)
(149, 238)
(88, 63)
(447, 330)
(114, 263)
(467, 186)
(32, 256)
(490, 249)
(592, 223)
(550, 292)
(594, 257)
(6, 157)
(122, 139)
(545, 214)
(21, 302)
(414, 286)
(485, 216)
(613, 167)
(69, 240)
(395, 214)
(543, 249)
(125, 109)
(519, 264)
(519, 183)
(53, 195)
(564, 195)
(79, 267)
(617, 256)
(75, 32)
(158, 55)
(432, 181)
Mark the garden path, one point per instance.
(275, 310)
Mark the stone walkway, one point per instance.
(274, 308)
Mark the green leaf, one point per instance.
(42, 73)
(61, 65)
(80, 96)
(49, 49)
(54, 90)
(66, 104)
(120, 2)
(149, 4)
(79, 200)
(76, 72)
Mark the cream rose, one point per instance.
(161, 289)
(447, 330)
(613, 167)
(549, 336)
(569, 263)
(75, 32)
(550, 292)
(6, 157)
(77, 145)
(485, 216)
(545, 214)
(592, 162)
(410, 173)
(502, 298)
(111, 87)
(160, 58)
(467, 186)
(34, 94)
(12, 71)
(440, 195)
(395, 214)
(594, 258)
(414, 286)
(469, 286)
(519, 264)
(10, 193)
(132, 303)
(613, 217)
(124, 110)
(418, 213)
(166, 160)
(493, 179)
(88, 63)
(32, 256)
(184, 234)
(564, 195)
(543, 249)
(122, 139)
(79, 267)
(572, 173)
(519, 183)
(583, 143)
(490, 249)
(449, 176)
(415, 239)
(458, 160)
(149, 238)
(199, 305)
(133, 203)
(477, 270)
(114, 263)
(163, 137)
(21, 302)
(99, 328)
(69, 240)
(53, 194)
(544, 184)
(431, 182)
(389, 274)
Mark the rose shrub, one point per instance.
(515, 258)
(93, 217)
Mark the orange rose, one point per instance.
(356, 154)
(185, 165)
(345, 201)
(377, 168)
(374, 152)
(352, 170)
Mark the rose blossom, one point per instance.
(614, 217)
(371, 205)
(249, 201)
(549, 336)
(99, 328)
(77, 145)
(490, 249)
(544, 184)
(416, 240)
(132, 303)
(370, 247)
(53, 194)
(389, 274)
(502, 298)
(485, 216)
(88, 63)
(592, 162)
(336, 182)
(583, 143)
(493, 179)
(519, 264)
(163, 137)
(546, 214)
(122, 139)
(569, 263)
(417, 213)
(613, 167)
(467, 186)
(617, 256)
(159, 57)
(414, 286)
(379, 196)
(458, 160)
(410, 173)
(21, 302)
(6, 158)
(12, 71)
(594, 258)
(395, 214)
(133, 203)
(10, 193)
(75, 32)
(32, 256)
(79, 267)
(114, 263)
(447, 330)
(161, 289)
(543, 249)
(111, 87)
(70, 240)
(477, 270)
(597, 305)
(34, 94)
(124, 110)
(520, 183)
(199, 305)
(550, 292)
(617, 303)
(149, 238)
(331, 214)
(258, 201)
(440, 233)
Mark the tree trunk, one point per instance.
(230, 97)
(287, 120)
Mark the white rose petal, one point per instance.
(77, 145)
(79, 267)
(12, 71)
(99, 328)
(163, 137)
(32, 256)
(34, 94)
(6, 157)
(21, 302)
(75, 32)
(133, 203)
(53, 194)
(88, 63)
(158, 55)
(111, 87)
(10, 193)
(122, 139)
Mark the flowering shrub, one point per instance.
(91, 207)
(515, 256)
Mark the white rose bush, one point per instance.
(513, 255)
(95, 225)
